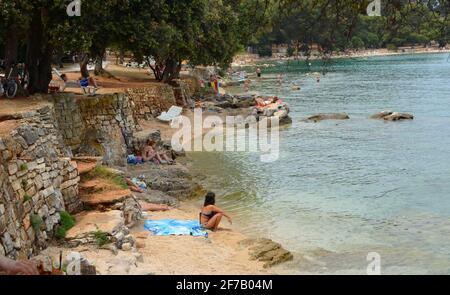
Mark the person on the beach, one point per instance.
(82, 81)
(132, 186)
(214, 81)
(67, 83)
(147, 152)
(258, 72)
(150, 153)
(261, 103)
(211, 215)
(87, 81)
(166, 159)
(12, 267)
(154, 207)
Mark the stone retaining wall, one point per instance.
(37, 182)
(152, 101)
(97, 126)
(37, 178)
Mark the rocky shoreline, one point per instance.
(252, 62)
(52, 169)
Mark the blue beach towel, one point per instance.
(132, 159)
(168, 227)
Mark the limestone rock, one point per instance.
(392, 116)
(132, 211)
(322, 117)
(267, 251)
(158, 197)
(173, 180)
(30, 134)
(88, 222)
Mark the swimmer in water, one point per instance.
(280, 79)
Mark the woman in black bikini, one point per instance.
(211, 215)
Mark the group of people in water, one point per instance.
(279, 80)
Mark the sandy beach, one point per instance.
(221, 253)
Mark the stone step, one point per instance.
(105, 198)
(86, 164)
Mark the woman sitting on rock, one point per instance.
(211, 215)
(150, 153)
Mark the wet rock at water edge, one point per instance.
(323, 117)
(267, 251)
(392, 116)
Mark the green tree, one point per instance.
(372, 40)
(357, 43)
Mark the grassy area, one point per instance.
(106, 174)
(36, 222)
(67, 222)
(101, 238)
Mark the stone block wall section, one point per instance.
(97, 126)
(150, 102)
(37, 182)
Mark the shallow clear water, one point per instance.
(342, 189)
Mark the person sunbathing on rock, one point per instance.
(211, 215)
(262, 104)
(147, 152)
(133, 186)
(151, 153)
(163, 157)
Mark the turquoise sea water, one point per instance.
(342, 189)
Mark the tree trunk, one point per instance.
(11, 47)
(84, 60)
(158, 70)
(99, 63)
(122, 57)
(171, 71)
(38, 56)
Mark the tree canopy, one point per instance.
(337, 25)
(204, 32)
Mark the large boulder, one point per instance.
(392, 116)
(89, 222)
(157, 197)
(173, 180)
(96, 227)
(322, 117)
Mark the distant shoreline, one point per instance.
(248, 61)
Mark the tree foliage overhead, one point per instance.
(204, 32)
(207, 32)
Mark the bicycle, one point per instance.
(8, 85)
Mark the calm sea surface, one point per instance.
(342, 189)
